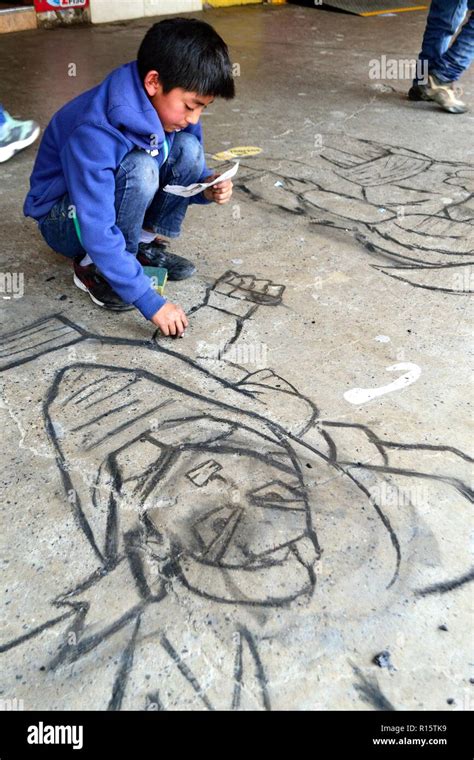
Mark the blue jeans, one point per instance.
(139, 198)
(2, 115)
(447, 62)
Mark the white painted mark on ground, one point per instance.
(383, 339)
(363, 395)
(288, 132)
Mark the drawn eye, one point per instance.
(219, 525)
(278, 494)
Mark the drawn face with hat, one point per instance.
(228, 515)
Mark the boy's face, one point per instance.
(178, 108)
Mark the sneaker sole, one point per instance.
(185, 276)
(449, 107)
(173, 276)
(79, 284)
(10, 150)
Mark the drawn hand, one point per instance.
(249, 288)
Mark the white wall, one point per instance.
(157, 7)
(118, 10)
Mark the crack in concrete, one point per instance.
(23, 433)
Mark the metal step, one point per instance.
(366, 7)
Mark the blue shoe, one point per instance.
(154, 254)
(16, 135)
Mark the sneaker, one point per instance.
(418, 91)
(154, 254)
(90, 280)
(446, 94)
(16, 135)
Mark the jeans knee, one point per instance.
(142, 171)
(189, 154)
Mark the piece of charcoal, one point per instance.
(382, 659)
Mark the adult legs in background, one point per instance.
(15, 135)
(441, 62)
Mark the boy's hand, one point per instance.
(221, 192)
(171, 320)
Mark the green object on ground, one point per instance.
(158, 276)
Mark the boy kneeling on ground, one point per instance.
(96, 187)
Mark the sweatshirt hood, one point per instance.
(136, 119)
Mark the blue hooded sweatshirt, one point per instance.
(79, 154)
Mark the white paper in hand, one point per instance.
(198, 187)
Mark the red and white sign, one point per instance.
(41, 6)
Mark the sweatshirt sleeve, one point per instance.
(90, 158)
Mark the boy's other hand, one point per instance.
(221, 192)
(171, 320)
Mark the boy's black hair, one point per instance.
(187, 53)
